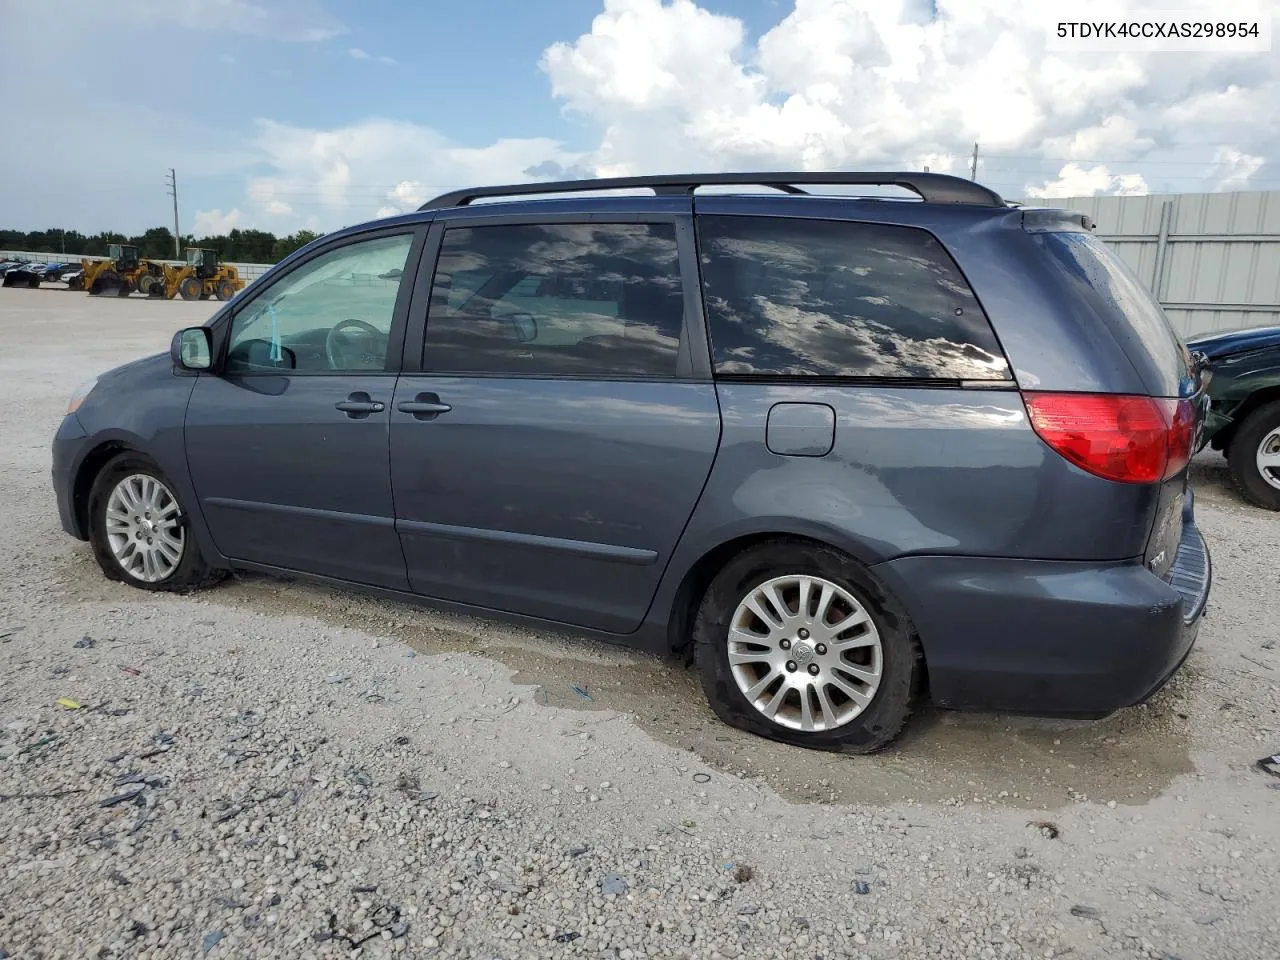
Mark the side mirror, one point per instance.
(524, 325)
(192, 349)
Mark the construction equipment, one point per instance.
(120, 273)
(199, 278)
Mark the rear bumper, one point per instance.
(1053, 638)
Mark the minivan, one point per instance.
(841, 451)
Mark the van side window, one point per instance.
(791, 297)
(575, 300)
(333, 314)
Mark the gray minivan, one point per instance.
(838, 449)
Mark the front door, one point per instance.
(549, 454)
(287, 443)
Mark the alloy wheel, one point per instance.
(805, 653)
(144, 528)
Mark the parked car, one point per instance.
(826, 446)
(34, 274)
(1244, 408)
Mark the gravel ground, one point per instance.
(269, 769)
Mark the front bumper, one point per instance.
(68, 452)
(1053, 638)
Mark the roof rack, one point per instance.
(932, 187)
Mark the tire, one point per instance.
(146, 283)
(124, 289)
(190, 289)
(225, 290)
(190, 569)
(1257, 435)
(855, 727)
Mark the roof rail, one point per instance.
(932, 187)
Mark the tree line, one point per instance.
(236, 246)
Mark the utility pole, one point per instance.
(973, 165)
(172, 183)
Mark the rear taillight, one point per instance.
(1130, 439)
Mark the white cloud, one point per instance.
(355, 53)
(857, 83)
(210, 223)
(303, 21)
(1234, 168)
(379, 167)
(1076, 181)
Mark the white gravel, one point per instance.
(269, 770)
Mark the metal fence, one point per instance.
(1212, 259)
(248, 271)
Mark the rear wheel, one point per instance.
(225, 290)
(190, 289)
(798, 643)
(139, 530)
(1254, 456)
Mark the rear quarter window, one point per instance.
(790, 297)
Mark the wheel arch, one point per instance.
(697, 574)
(87, 472)
(1259, 398)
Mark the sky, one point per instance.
(290, 114)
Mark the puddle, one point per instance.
(942, 757)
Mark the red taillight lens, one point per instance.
(1126, 438)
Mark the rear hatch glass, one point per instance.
(1159, 355)
(1134, 315)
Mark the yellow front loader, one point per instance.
(200, 278)
(121, 274)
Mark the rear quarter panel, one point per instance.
(912, 471)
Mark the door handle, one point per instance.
(359, 405)
(425, 406)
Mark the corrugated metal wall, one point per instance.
(1212, 259)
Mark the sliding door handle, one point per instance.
(425, 406)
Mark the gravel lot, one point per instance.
(269, 769)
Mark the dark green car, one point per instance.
(1244, 410)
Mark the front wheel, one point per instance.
(796, 642)
(138, 529)
(1254, 456)
(190, 288)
